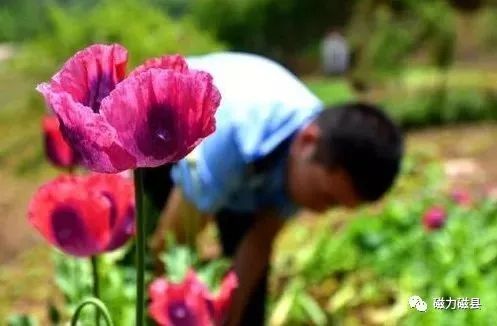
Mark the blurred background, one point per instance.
(432, 64)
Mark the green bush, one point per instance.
(395, 31)
(143, 29)
(486, 31)
(20, 19)
(278, 29)
(442, 106)
(415, 107)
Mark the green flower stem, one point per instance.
(98, 304)
(96, 286)
(140, 247)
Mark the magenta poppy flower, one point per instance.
(434, 218)
(156, 115)
(58, 151)
(190, 303)
(84, 216)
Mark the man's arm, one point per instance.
(181, 218)
(251, 260)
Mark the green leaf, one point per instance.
(177, 261)
(342, 297)
(213, 272)
(285, 304)
(21, 320)
(312, 308)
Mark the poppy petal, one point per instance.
(179, 304)
(90, 74)
(119, 192)
(57, 149)
(167, 114)
(194, 284)
(157, 288)
(162, 293)
(174, 62)
(93, 139)
(223, 300)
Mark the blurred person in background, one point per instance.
(334, 54)
(275, 150)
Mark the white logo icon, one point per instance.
(418, 303)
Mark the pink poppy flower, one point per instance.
(434, 218)
(84, 216)
(190, 303)
(461, 197)
(57, 150)
(491, 192)
(156, 115)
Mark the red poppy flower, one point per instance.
(190, 303)
(222, 301)
(434, 218)
(57, 149)
(84, 216)
(156, 115)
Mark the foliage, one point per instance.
(178, 259)
(21, 320)
(278, 29)
(74, 279)
(423, 98)
(14, 15)
(73, 28)
(486, 31)
(442, 106)
(175, 8)
(21, 20)
(394, 33)
(467, 5)
(366, 271)
(331, 91)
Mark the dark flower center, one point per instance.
(98, 90)
(158, 133)
(180, 314)
(70, 231)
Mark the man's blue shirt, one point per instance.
(262, 105)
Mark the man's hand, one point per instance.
(251, 260)
(182, 219)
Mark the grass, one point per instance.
(26, 284)
(419, 78)
(331, 91)
(14, 88)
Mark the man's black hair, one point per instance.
(365, 142)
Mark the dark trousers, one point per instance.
(232, 228)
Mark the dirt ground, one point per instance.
(468, 153)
